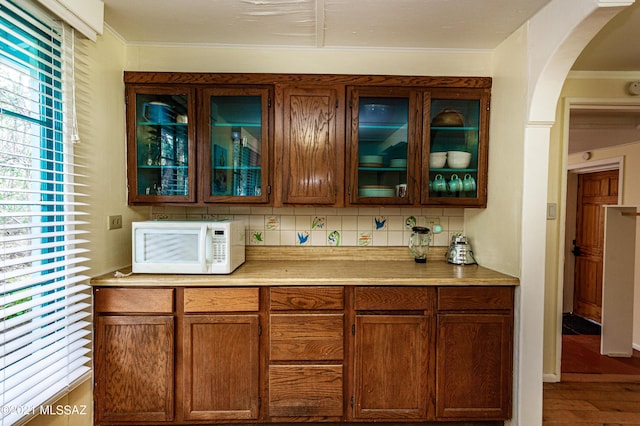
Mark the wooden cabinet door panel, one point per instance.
(306, 337)
(134, 368)
(391, 367)
(473, 365)
(306, 391)
(221, 367)
(312, 157)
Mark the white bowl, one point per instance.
(437, 159)
(458, 159)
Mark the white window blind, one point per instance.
(45, 311)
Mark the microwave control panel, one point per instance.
(219, 244)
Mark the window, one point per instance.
(44, 318)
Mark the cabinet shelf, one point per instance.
(455, 128)
(238, 168)
(159, 167)
(237, 125)
(383, 169)
(389, 126)
(162, 123)
(447, 170)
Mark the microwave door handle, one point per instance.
(202, 256)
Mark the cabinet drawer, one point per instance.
(305, 391)
(474, 298)
(133, 300)
(306, 337)
(392, 298)
(301, 298)
(221, 299)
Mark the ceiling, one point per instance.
(364, 24)
(377, 24)
(396, 24)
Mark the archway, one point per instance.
(575, 23)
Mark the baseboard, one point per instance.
(636, 346)
(551, 378)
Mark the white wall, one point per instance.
(312, 61)
(101, 112)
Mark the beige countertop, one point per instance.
(324, 266)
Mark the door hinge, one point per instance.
(269, 102)
(269, 189)
(353, 401)
(350, 103)
(337, 104)
(353, 329)
(259, 330)
(259, 402)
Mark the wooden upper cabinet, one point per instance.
(233, 145)
(325, 140)
(383, 140)
(161, 144)
(310, 150)
(455, 154)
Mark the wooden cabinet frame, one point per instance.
(309, 159)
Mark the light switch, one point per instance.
(552, 211)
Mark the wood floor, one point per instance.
(594, 390)
(591, 403)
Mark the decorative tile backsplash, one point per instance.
(321, 226)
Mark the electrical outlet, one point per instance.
(114, 221)
(433, 223)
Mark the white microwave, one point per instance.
(187, 247)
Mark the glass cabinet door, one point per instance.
(161, 168)
(455, 162)
(234, 152)
(381, 155)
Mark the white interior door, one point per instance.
(618, 281)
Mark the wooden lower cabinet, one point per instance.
(306, 354)
(303, 354)
(474, 353)
(391, 368)
(392, 371)
(134, 356)
(221, 367)
(134, 368)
